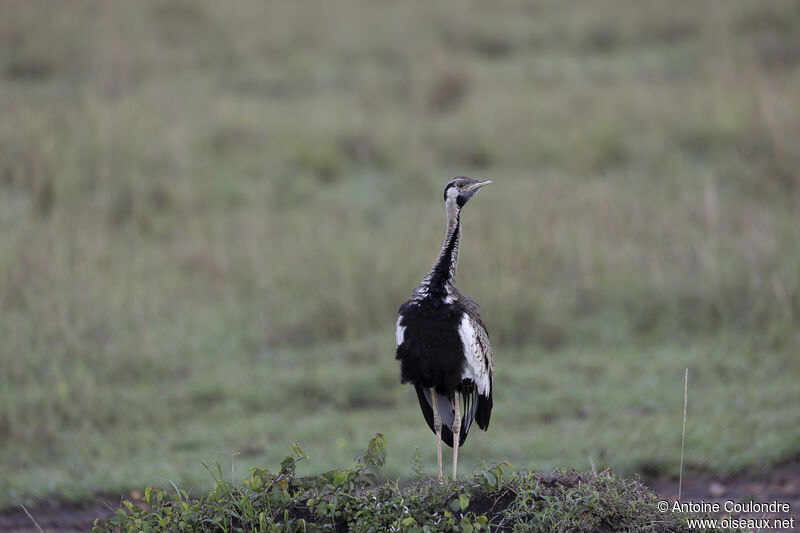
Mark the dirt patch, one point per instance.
(57, 517)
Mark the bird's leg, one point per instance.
(437, 427)
(456, 430)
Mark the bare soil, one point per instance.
(782, 483)
(57, 516)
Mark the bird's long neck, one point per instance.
(441, 279)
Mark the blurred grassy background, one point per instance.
(210, 212)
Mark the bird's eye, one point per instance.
(460, 185)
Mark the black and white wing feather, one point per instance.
(478, 367)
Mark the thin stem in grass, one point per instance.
(35, 523)
(683, 433)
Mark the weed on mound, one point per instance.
(352, 499)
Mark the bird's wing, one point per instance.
(478, 352)
(479, 364)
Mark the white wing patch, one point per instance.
(400, 331)
(476, 368)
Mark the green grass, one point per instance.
(608, 406)
(210, 213)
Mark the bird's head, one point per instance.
(461, 189)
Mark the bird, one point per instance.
(442, 343)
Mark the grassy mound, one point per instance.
(208, 208)
(493, 499)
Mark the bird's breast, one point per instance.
(431, 352)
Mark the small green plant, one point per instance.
(418, 463)
(353, 499)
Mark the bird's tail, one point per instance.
(469, 403)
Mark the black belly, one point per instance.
(432, 354)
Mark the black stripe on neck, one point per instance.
(440, 274)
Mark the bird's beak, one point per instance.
(476, 186)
